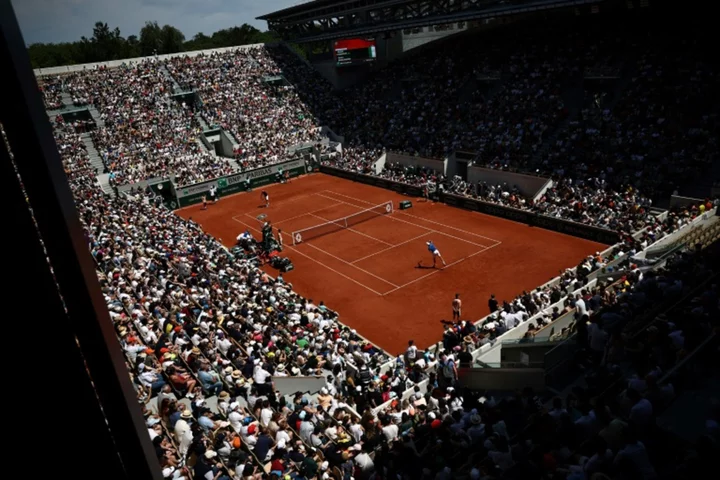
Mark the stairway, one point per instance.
(202, 122)
(104, 182)
(96, 116)
(97, 163)
(204, 148)
(66, 99)
(95, 159)
(175, 85)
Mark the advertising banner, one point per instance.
(239, 182)
(588, 232)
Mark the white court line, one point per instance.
(309, 213)
(317, 261)
(389, 248)
(440, 270)
(248, 214)
(413, 224)
(348, 263)
(419, 218)
(351, 229)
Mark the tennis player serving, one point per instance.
(435, 253)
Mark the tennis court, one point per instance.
(353, 249)
(375, 246)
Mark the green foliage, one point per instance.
(108, 44)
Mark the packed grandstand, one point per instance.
(205, 330)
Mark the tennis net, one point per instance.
(331, 226)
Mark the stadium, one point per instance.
(239, 248)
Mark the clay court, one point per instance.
(369, 271)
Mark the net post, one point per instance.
(392, 207)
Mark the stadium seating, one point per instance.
(203, 328)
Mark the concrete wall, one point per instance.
(676, 201)
(548, 331)
(699, 222)
(291, 385)
(380, 164)
(325, 131)
(144, 183)
(527, 184)
(227, 144)
(548, 185)
(128, 61)
(409, 160)
(490, 353)
(533, 353)
(502, 379)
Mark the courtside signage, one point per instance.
(239, 182)
(600, 235)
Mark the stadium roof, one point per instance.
(321, 20)
(305, 6)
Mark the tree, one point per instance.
(108, 44)
(172, 39)
(199, 42)
(150, 39)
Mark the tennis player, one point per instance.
(213, 194)
(435, 253)
(266, 198)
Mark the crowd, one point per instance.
(625, 345)
(608, 160)
(204, 330)
(143, 133)
(239, 94)
(51, 89)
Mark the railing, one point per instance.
(515, 333)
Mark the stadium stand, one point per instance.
(265, 120)
(144, 135)
(204, 329)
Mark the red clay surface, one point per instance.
(369, 273)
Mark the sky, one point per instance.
(67, 20)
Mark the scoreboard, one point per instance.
(354, 51)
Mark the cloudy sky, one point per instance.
(68, 20)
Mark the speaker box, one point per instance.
(405, 204)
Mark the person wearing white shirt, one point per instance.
(266, 414)
(223, 344)
(282, 436)
(356, 430)
(235, 418)
(261, 376)
(411, 352)
(390, 431)
(363, 460)
(183, 434)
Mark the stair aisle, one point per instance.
(95, 158)
(176, 86)
(66, 99)
(96, 116)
